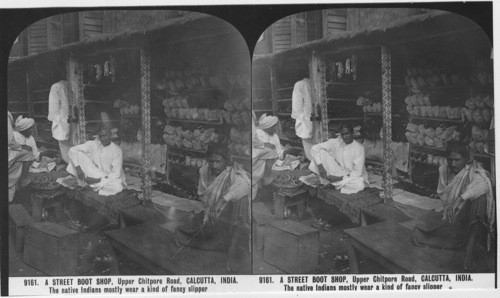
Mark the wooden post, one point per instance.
(387, 123)
(274, 87)
(80, 102)
(28, 94)
(146, 122)
(317, 70)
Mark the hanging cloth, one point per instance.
(302, 108)
(58, 110)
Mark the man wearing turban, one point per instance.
(266, 133)
(20, 159)
(22, 135)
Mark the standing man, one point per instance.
(99, 163)
(341, 161)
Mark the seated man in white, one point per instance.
(99, 163)
(341, 161)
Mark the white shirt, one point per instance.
(108, 159)
(350, 157)
(59, 110)
(30, 141)
(302, 108)
(274, 139)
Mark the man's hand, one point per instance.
(269, 145)
(214, 211)
(333, 179)
(27, 148)
(79, 173)
(322, 171)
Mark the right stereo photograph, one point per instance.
(373, 144)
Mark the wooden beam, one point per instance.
(387, 123)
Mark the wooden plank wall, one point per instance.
(91, 23)
(335, 20)
(37, 37)
(282, 34)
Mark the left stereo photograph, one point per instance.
(129, 137)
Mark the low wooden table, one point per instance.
(155, 248)
(139, 214)
(390, 244)
(43, 200)
(381, 212)
(282, 200)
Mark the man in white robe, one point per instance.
(341, 161)
(99, 163)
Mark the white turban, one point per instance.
(266, 122)
(23, 123)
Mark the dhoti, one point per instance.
(348, 184)
(107, 186)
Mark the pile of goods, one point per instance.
(429, 159)
(237, 111)
(479, 140)
(432, 137)
(239, 143)
(198, 139)
(181, 81)
(344, 70)
(44, 182)
(373, 108)
(234, 112)
(187, 161)
(126, 108)
(420, 105)
(432, 76)
(101, 73)
(287, 182)
(479, 109)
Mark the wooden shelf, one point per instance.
(342, 99)
(284, 114)
(99, 86)
(354, 84)
(39, 116)
(41, 90)
(427, 148)
(286, 99)
(380, 115)
(98, 101)
(346, 119)
(138, 116)
(198, 121)
(284, 88)
(192, 151)
(263, 110)
(21, 112)
(437, 119)
(483, 155)
(41, 101)
(425, 164)
(100, 121)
